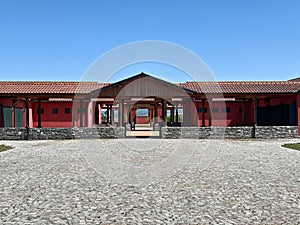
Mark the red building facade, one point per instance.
(143, 99)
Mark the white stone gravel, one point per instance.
(150, 181)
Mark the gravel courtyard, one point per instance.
(150, 181)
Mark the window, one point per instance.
(42, 111)
(55, 110)
(215, 110)
(226, 109)
(67, 110)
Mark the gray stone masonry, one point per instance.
(166, 133)
(229, 132)
(61, 133)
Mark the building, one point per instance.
(144, 99)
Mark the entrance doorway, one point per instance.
(142, 122)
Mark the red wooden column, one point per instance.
(27, 113)
(39, 114)
(81, 112)
(107, 114)
(121, 113)
(176, 114)
(111, 114)
(209, 112)
(203, 112)
(243, 112)
(99, 114)
(13, 113)
(255, 102)
(1, 116)
(164, 111)
(155, 112)
(298, 113)
(172, 113)
(74, 113)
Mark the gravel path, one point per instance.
(150, 181)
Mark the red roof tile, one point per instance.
(231, 87)
(251, 87)
(39, 87)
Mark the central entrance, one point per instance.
(142, 121)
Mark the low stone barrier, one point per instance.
(166, 133)
(276, 132)
(61, 133)
(230, 132)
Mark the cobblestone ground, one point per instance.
(136, 181)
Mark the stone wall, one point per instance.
(276, 132)
(230, 132)
(166, 132)
(61, 133)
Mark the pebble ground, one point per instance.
(150, 181)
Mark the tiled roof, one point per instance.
(230, 87)
(40, 87)
(251, 87)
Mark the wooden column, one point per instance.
(74, 113)
(81, 113)
(255, 112)
(176, 114)
(39, 114)
(172, 113)
(164, 111)
(27, 113)
(254, 116)
(13, 113)
(155, 112)
(203, 113)
(121, 113)
(298, 112)
(1, 116)
(111, 114)
(99, 114)
(243, 112)
(107, 114)
(209, 114)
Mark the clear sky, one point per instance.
(237, 39)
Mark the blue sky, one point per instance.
(237, 39)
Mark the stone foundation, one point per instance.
(61, 133)
(166, 133)
(230, 132)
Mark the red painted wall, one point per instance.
(219, 118)
(49, 119)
